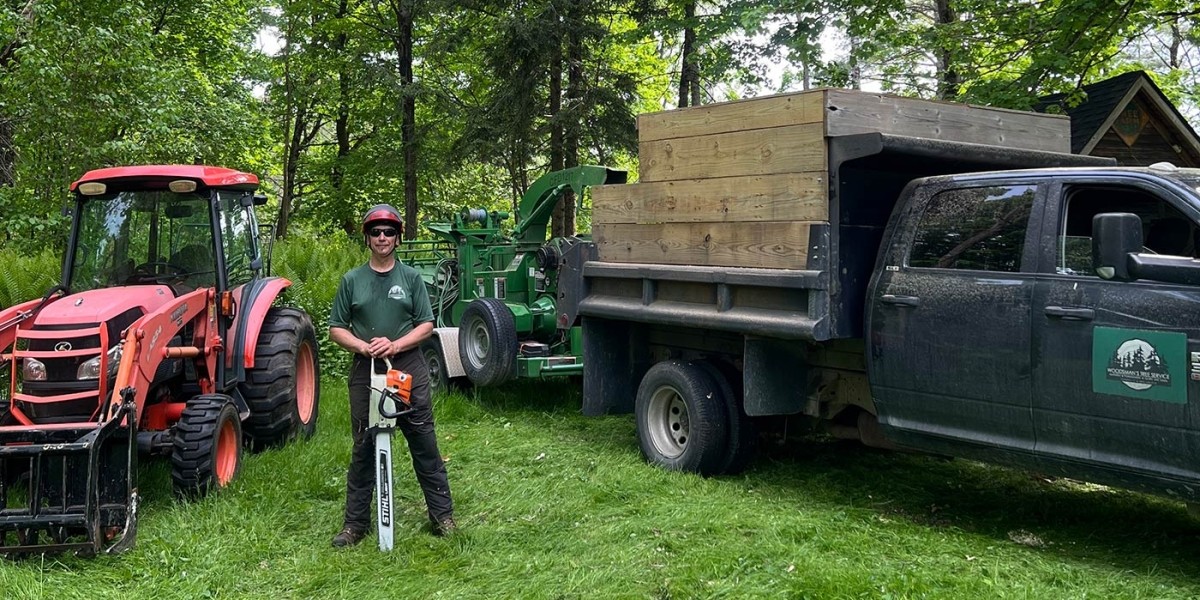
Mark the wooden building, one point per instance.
(1128, 118)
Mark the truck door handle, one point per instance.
(1070, 314)
(900, 300)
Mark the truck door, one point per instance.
(1111, 360)
(949, 318)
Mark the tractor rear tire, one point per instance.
(283, 388)
(487, 342)
(206, 446)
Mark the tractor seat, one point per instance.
(198, 263)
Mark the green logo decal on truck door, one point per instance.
(1139, 364)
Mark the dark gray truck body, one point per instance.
(950, 306)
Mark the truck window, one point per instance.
(980, 229)
(1165, 230)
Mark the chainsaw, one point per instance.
(391, 392)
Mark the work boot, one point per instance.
(348, 536)
(444, 527)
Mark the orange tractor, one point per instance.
(163, 338)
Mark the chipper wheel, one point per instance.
(283, 387)
(487, 342)
(207, 444)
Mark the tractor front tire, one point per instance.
(206, 446)
(487, 342)
(283, 388)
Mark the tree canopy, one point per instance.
(434, 105)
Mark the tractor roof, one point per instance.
(158, 175)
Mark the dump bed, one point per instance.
(764, 216)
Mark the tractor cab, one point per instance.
(183, 227)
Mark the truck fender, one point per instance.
(258, 299)
(448, 336)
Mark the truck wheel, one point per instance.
(681, 422)
(207, 445)
(487, 342)
(439, 380)
(743, 439)
(283, 388)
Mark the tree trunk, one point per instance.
(8, 155)
(408, 125)
(558, 220)
(8, 58)
(689, 75)
(292, 148)
(949, 78)
(342, 124)
(578, 110)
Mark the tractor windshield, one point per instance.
(143, 237)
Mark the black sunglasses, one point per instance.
(388, 232)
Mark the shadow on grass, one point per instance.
(1073, 520)
(554, 403)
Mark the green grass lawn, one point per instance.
(556, 505)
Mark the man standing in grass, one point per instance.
(382, 310)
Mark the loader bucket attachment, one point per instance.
(69, 487)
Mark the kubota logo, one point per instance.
(62, 347)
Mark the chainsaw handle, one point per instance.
(396, 401)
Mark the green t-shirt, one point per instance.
(372, 304)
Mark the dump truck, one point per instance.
(163, 339)
(908, 273)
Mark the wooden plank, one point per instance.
(781, 197)
(849, 112)
(791, 149)
(774, 245)
(740, 115)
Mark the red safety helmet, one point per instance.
(382, 213)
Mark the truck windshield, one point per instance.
(143, 237)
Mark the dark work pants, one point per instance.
(417, 427)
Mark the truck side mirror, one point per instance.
(1115, 236)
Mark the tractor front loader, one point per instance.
(505, 304)
(162, 340)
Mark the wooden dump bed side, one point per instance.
(742, 192)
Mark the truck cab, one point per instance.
(991, 334)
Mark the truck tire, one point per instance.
(487, 342)
(743, 438)
(206, 445)
(681, 422)
(283, 388)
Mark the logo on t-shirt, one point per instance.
(396, 293)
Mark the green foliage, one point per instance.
(552, 504)
(315, 263)
(27, 276)
(94, 84)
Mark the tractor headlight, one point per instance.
(33, 369)
(91, 368)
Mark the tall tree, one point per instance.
(92, 83)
